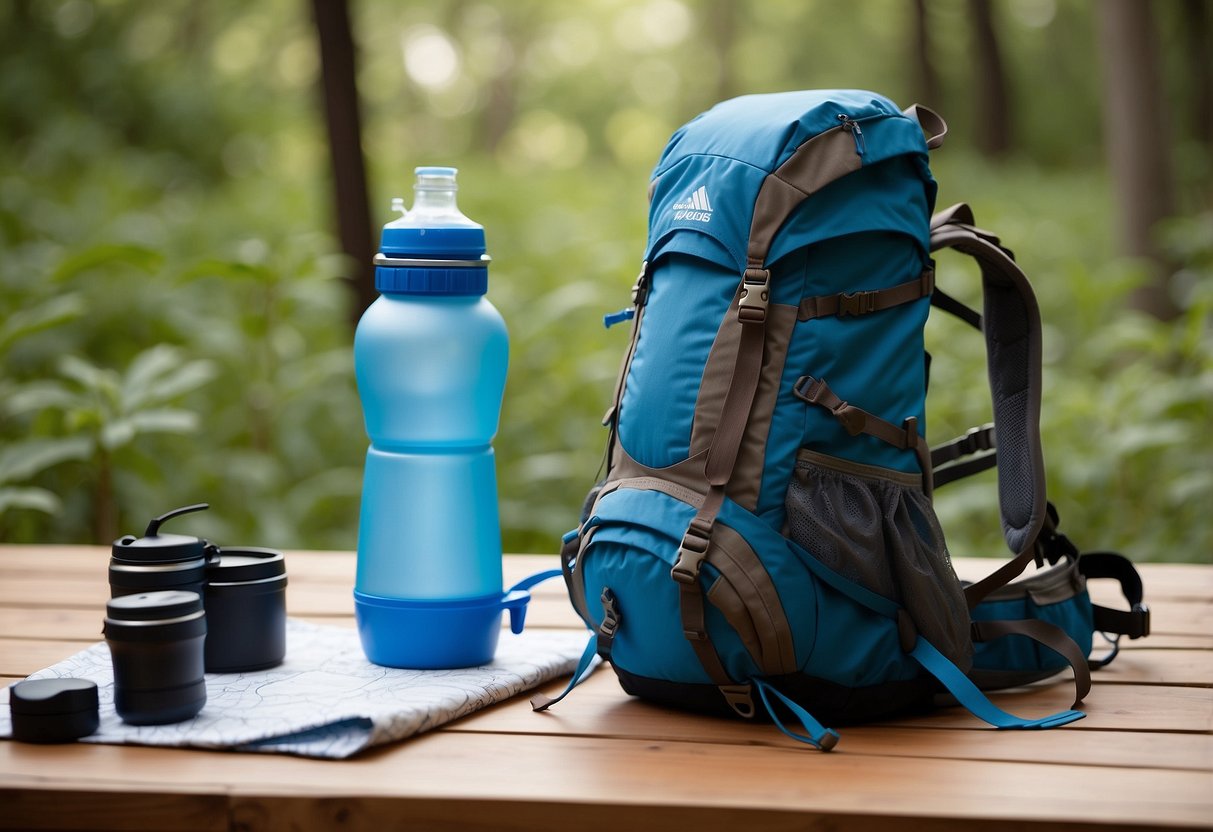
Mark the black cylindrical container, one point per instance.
(245, 610)
(159, 561)
(156, 640)
(53, 710)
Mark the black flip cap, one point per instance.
(154, 547)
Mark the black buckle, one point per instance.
(640, 290)
(1141, 617)
(976, 439)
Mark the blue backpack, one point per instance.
(764, 542)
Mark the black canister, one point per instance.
(157, 640)
(53, 710)
(159, 561)
(245, 610)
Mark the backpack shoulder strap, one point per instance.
(1011, 324)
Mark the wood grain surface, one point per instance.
(600, 760)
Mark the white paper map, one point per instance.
(326, 699)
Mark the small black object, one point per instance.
(245, 610)
(156, 640)
(160, 561)
(53, 710)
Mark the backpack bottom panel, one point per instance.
(831, 703)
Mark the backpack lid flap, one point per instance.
(711, 174)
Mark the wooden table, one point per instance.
(1143, 757)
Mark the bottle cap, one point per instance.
(153, 606)
(248, 563)
(53, 710)
(433, 249)
(154, 547)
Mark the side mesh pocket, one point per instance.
(876, 527)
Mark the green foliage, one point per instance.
(173, 328)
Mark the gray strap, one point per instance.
(932, 124)
(863, 303)
(1051, 636)
(1011, 323)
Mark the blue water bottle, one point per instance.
(430, 356)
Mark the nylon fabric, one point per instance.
(1020, 654)
(659, 397)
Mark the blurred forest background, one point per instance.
(177, 295)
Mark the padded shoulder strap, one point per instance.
(1011, 323)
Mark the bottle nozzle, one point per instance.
(398, 205)
(153, 528)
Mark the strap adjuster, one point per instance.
(976, 439)
(692, 551)
(856, 303)
(812, 390)
(1141, 617)
(610, 615)
(640, 289)
(755, 296)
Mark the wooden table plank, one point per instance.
(579, 772)
(1142, 758)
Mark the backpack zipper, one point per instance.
(852, 126)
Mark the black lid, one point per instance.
(53, 696)
(154, 547)
(153, 606)
(247, 563)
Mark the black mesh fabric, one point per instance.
(884, 536)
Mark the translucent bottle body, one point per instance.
(431, 374)
(430, 357)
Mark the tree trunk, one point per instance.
(723, 21)
(926, 79)
(993, 104)
(1136, 139)
(1198, 26)
(344, 122)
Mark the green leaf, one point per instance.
(116, 434)
(36, 396)
(26, 459)
(47, 314)
(85, 373)
(142, 258)
(164, 420)
(139, 380)
(34, 499)
(177, 382)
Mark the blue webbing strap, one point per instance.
(967, 694)
(816, 736)
(585, 666)
(536, 579)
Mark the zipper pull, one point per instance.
(619, 317)
(851, 125)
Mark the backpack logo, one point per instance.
(696, 207)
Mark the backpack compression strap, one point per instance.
(817, 162)
(1011, 323)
